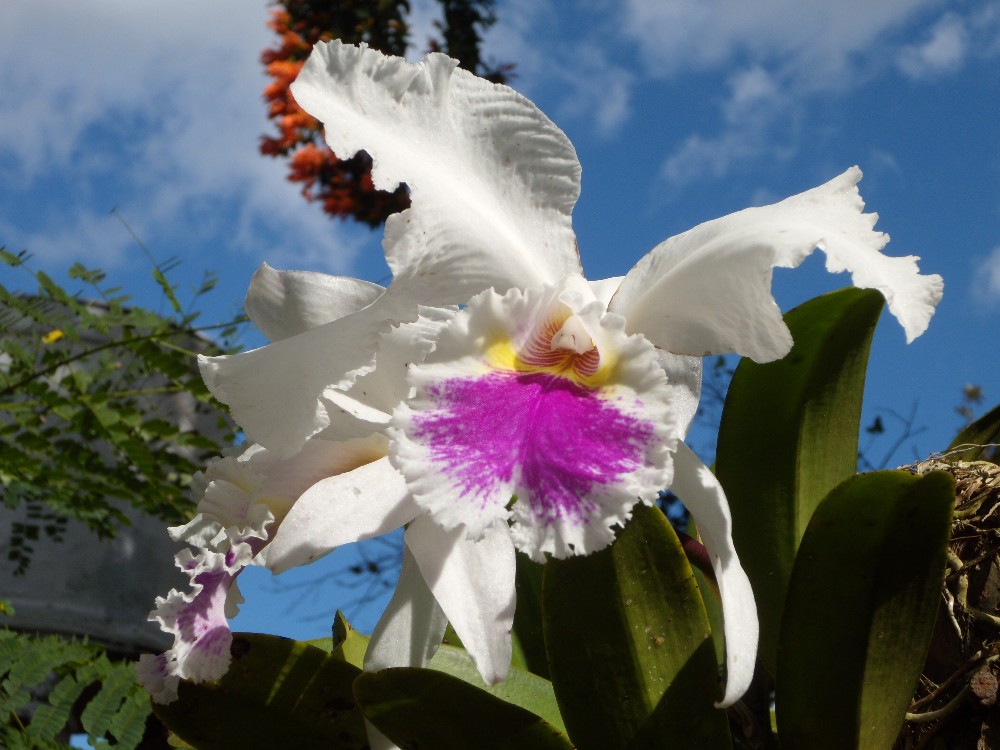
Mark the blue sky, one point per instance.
(681, 111)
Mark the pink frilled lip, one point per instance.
(559, 447)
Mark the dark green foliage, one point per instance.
(861, 606)
(789, 435)
(278, 693)
(979, 439)
(50, 677)
(101, 406)
(423, 708)
(629, 644)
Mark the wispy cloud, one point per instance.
(157, 111)
(943, 51)
(815, 39)
(951, 41)
(578, 73)
(986, 280)
(789, 55)
(755, 112)
(777, 57)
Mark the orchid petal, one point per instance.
(197, 620)
(410, 630)
(229, 503)
(492, 180)
(241, 495)
(474, 584)
(370, 500)
(153, 673)
(276, 392)
(374, 395)
(285, 303)
(684, 373)
(708, 290)
(704, 497)
(318, 460)
(408, 633)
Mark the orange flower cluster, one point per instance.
(343, 186)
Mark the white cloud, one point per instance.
(953, 40)
(751, 90)
(985, 26)
(815, 39)
(883, 161)
(986, 280)
(156, 108)
(943, 51)
(595, 91)
(788, 54)
(95, 240)
(699, 157)
(576, 73)
(785, 54)
(749, 117)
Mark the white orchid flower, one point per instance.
(549, 405)
(245, 498)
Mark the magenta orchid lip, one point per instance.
(553, 441)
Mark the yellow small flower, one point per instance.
(52, 336)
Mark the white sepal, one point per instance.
(276, 393)
(474, 584)
(410, 630)
(704, 497)
(368, 501)
(285, 303)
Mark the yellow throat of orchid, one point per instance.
(560, 347)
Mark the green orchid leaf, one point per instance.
(860, 611)
(984, 431)
(424, 708)
(277, 693)
(630, 648)
(521, 688)
(528, 634)
(789, 435)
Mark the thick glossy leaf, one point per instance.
(789, 435)
(423, 708)
(521, 688)
(984, 431)
(277, 693)
(860, 611)
(630, 648)
(528, 635)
